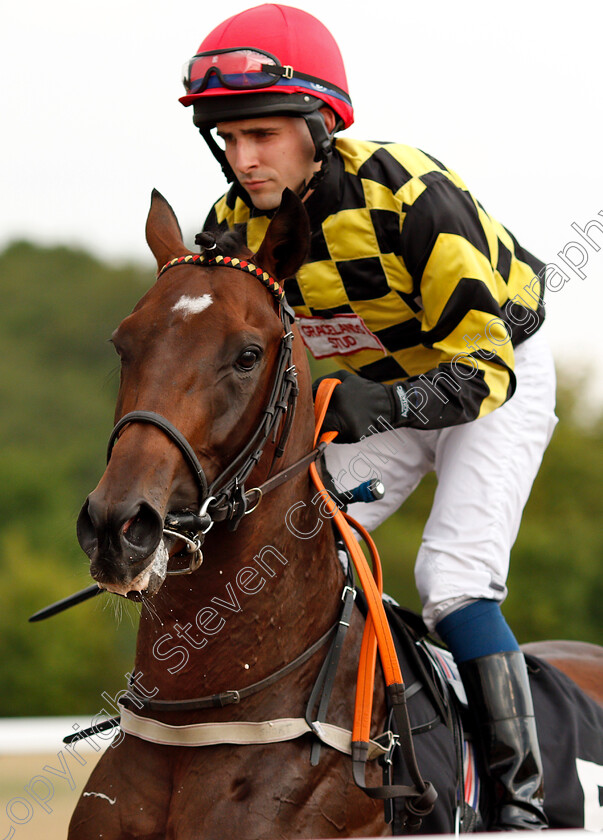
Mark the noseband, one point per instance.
(226, 498)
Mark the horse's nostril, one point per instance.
(129, 532)
(133, 530)
(143, 529)
(86, 531)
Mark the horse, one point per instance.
(241, 590)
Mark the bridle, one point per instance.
(226, 497)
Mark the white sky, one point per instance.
(507, 94)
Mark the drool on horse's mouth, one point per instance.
(149, 581)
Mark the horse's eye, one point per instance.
(248, 359)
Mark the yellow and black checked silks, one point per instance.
(398, 240)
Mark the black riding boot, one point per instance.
(499, 695)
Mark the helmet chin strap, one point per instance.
(323, 145)
(218, 153)
(308, 186)
(220, 156)
(322, 139)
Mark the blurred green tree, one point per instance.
(57, 392)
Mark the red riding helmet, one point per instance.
(300, 56)
(271, 59)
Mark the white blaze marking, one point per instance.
(101, 796)
(192, 305)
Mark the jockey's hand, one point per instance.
(356, 404)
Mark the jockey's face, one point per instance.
(268, 154)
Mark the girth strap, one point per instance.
(326, 678)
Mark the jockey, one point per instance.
(432, 309)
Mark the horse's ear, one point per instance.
(287, 239)
(163, 231)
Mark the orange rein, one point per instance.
(377, 634)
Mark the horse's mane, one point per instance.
(223, 240)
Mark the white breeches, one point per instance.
(485, 470)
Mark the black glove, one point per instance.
(357, 404)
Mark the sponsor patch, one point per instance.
(340, 335)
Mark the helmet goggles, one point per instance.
(244, 68)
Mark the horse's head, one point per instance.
(200, 356)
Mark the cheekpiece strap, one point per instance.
(269, 282)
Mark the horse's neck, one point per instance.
(263, 594)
